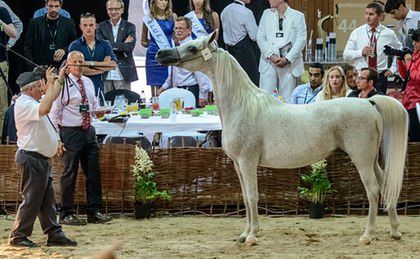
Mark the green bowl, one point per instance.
(196, 112)
(145, 113)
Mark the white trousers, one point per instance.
(279, 79)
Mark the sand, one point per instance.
(205, 237)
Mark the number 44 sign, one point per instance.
(351, 15)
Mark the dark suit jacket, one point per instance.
(35, 37)
(123, 51)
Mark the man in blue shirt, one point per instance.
(306, 93)
(43, 11)
(97, 52)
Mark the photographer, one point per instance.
(409, 68)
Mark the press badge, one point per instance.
(84, 108)
(279, 35)
(52, 46)
(206, 53)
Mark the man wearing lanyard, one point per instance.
(281, 37)
(71, 112)
(240, 35)
(97, 52)
(306, 93)
(365, 47)
(37, 142)
(49, 36)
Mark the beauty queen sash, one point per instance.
(157, 32)
(197, 27)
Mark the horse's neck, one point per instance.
(227, 82)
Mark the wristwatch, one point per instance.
(91, 64)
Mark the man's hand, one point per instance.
(202, 102)
(59, 54)
(60, 149)
(50, 76)
(408, 58)
(129, 39)
(282, 62)
(274, 59)
(366, 51)
(107, 58)
(388, 73)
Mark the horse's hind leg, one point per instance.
(371, 185)
(243, 236)
(248, 170)
(392, 212)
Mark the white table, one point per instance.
(181, 123)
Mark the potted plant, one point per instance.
(146, 187)
(316, 187)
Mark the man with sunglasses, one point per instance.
(366, 81)
(122, 36)
(97, 52)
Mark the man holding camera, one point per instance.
(365, 47)
(37, 142)
(408, 20)
(409, 68)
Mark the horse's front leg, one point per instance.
(243, 236)
(248, 170)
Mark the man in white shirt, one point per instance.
(71, 112)
(122, 36)
(37, 142)
(365, 47)
(197, 83)
(408, 20)
(281, 37)
(240, 36)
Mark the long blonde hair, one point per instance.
(328, 95)
(207, 12)
(154, 9)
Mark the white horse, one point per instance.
(258, 130)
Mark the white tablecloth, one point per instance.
(181, 123)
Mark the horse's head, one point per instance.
(192, 56)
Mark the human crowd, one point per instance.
(53, 112)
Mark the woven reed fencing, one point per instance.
(204, 181)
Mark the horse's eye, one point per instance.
(192, 49)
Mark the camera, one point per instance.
(400, 53)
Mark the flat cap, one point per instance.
(27, 78)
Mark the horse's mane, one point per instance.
(240, 89)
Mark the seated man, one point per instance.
(351, 75)
(197, 83)
(366, 81)
(306, 93)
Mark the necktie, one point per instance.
(372, 59)
(85, 115)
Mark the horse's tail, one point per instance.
(394, 147)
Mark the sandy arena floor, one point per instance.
(204, 237)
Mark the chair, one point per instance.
(166, 97)
(141, 141)
(131, 96)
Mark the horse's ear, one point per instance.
(212, 37)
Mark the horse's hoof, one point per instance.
(251, 241)
(241, 240)
(365, 240)
(396, 236)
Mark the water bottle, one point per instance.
(142, 99)
(318, 50)
(333, 46)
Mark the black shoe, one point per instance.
(24, 242)
(98, 218)
(72, 220)
(60, 240)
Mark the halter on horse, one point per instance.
(258, 130)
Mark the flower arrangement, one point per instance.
(146, 187)
(317, 183)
